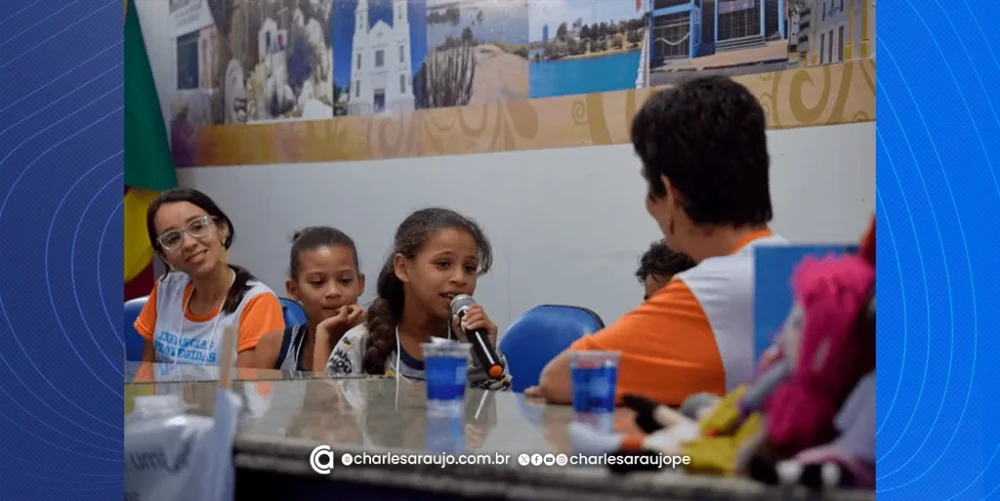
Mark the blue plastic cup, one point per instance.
(595, 380)
(445, 371)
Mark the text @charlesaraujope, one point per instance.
(323, 459)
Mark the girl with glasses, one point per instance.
(190, 307)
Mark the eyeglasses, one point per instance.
(197, 228)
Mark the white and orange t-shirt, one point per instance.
(180, 337)
(693, 335)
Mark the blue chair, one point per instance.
(540, 334)
(134, 342)
(293, 312)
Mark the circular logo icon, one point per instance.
(550, 459)
(321, 459)
(536, 459)
(524, 460)
(561, 459)
(346, 459)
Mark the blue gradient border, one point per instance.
(61, 348)
(938, 201)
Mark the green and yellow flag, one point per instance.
(149, 168)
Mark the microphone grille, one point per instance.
(461, 301)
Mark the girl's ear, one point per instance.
(223, 232)
(400, 268)
(292, 289)
(361, 283)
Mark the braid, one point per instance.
(383, 316)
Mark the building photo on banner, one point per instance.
(326, 64)
(248, 61)
(740, 37)
(290, 55)
(477, 52)
(394, 56)
(585, 46)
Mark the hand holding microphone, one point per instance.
(469, 321)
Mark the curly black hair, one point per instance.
(661, 261)
(707, 137)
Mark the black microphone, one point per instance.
(481, 344)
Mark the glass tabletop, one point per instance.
(149, 372)
(282, 421)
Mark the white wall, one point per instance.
(568, 225)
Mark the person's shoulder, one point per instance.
(173, 279)
(172, 284)
(259, 295)
(731, 270)
(256, 287)
(346, 357)
(718, 272)
(354, 338)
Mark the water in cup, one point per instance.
(445, 372)
(595, 380)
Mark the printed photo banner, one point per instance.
(822, 95)
(266, 81)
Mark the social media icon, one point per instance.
(321, 459)
(536, 459)
(523, 460)
(347, 459)
(549, 459)
(561, 459)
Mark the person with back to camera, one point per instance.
(704, 157)
(190, 307)
(657, 268)
(325, 277)
(437, 254)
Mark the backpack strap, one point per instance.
(286, 341)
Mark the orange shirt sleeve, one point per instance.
(145, 323)
(668, 349)
(262, 314)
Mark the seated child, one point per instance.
(324, 277)
(437, 255)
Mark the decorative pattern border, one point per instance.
(805, 97)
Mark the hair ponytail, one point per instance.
(383, 317)
(241, 285)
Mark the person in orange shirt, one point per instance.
(189, 308)
(704, 158)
